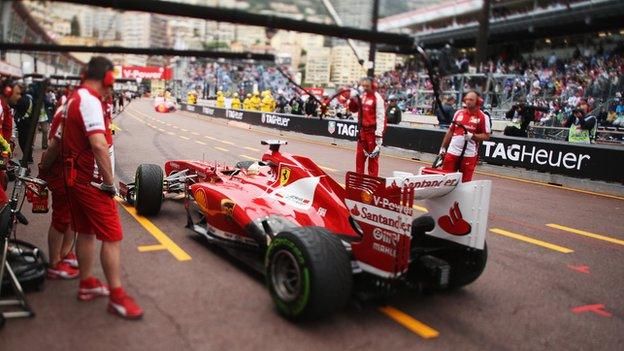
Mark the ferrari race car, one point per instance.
(162, 104)
(318, 244)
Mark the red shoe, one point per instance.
(91, 288)
(123, 305)
(71, 259)
(62, 271)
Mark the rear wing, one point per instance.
(382, 209)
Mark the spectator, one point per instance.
(521, 115)
(310, 107)
(393, 112)
(445, 115)
(296, 105)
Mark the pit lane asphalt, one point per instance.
(524, 300)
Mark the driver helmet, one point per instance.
(253, 169)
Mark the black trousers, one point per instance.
(23, 127)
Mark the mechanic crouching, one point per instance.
(460, 149)
(371, 125)
(84, 137)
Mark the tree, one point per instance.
(75, 27)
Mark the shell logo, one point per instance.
(367, 196)
(201, 199)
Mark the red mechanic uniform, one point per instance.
(372, 125)
(61, 215)
(6, 119)
(476, 123)
(93, 211)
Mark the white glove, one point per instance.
(375, 152)
(354, 93)
(442, 151)
(468, 136)
(378, 141)
(107, 188)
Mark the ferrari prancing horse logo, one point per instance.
(284, 175)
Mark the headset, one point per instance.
(480, 100)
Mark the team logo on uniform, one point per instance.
(227, 207)
(284, 175)
(331, 127)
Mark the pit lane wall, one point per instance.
(596, 162)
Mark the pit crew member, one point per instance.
(10, 94)
(479, 129)
(89, 177)
(371, 125)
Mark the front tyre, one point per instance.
(148, 191)
(308, 273)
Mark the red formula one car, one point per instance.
(164, 105)
(319, 244)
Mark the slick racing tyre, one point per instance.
(148, 192)
(467, 266)
(308, 273)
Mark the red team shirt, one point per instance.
(476, 123)
(84, 117)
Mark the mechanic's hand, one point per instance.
(375, 152)
(354, 93)
(107, 188)
(442, 151)
(378, 141)
(468, 136)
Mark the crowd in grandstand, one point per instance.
(556, 85)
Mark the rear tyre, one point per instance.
(148, 191)
(308, 273)
(466, 265)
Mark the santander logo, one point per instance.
(454, 223)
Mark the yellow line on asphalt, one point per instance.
(175, 127)
(194, 133)
(249, 157)
(251, 148)
(161, 130)
(531, 240)
(158, 234)
(183, 137)
(221, 149)
(149, 248)
(209, 137)
(184, 130)
(414, 325)
(200, 142)
(587, 234)
(225, 142)
(171, 133)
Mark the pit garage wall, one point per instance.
(597, 162)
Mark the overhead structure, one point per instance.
(135, 51)
(235, 16)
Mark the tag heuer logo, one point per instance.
(331, 127)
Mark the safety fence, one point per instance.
(598, 162)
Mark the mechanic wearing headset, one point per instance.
(479, 129)
(371, 124)
(88, 175)
(10, 94)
